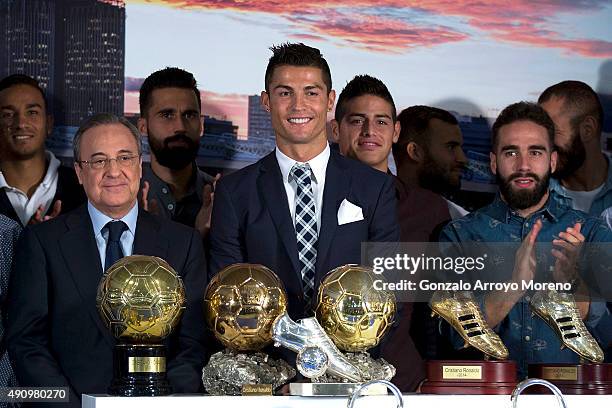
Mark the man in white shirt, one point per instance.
(303, 209)
(55, 335)
(33, 185)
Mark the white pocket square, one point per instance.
(349, 212)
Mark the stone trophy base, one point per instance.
(470, 377)
(139, 370)
(573, 379)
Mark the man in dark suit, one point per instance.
(34, 186)
(55, 335)
(302, 210)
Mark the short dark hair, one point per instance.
(523, 111)
(169, 77)
(414, 122)
(21, 79)
(299, 55)
(579, 99)
(359, 86)
(101, 119)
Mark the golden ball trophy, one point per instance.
(141, 300)
(240, 305)
(351, 316)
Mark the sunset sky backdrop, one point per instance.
(474, 57)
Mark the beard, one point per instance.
(523, 199)
(570, 159)
(436, 178)
(174, 157)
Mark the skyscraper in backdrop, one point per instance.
(74, 48)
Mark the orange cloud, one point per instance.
(379, 26)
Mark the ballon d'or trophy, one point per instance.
(351, 317)
(240, 305)
(140, 299)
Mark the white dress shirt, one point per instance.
(99, 220)
(26, 207)
(318, 164)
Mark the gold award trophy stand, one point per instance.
(240, 305)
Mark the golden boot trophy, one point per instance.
(494, 375)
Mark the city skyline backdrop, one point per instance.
(468, 56)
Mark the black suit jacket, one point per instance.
(69, 191)
(251, 221)
(54, 332)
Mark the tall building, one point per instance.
(219, 127)
(260, 122)
(74, 48)
(26, 39)
(93, 58)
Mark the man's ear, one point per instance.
(493, 162)
(415, 152)
(142, 126)
(331, 98)
(587, 129)
(335, 128)
(77, 170)
(396, 131)
(554, 157)
(49, 124)
(265, 100)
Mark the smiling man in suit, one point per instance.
(303, 209)
(55, 334)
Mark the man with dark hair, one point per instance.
(365, 124)
(365, 128)
(522, 159)
(174, 186)
(429, 161)
(583, 179)
(33, 185)
(303, 209)
(55, 335)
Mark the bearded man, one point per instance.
(174, 186)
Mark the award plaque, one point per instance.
(589, 378)
(591, 375)
(141, 300)
(470, 377)
(240, 305)
(461, 311)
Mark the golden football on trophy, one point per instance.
(351, 311)
(141, 299)
(241, 303)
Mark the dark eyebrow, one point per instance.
(166, 110)
(190, 111)
(122, 151)
(509, 147)
(34, 105)
(315, 86)
(537, 147)
(284, 87)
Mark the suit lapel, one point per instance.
(80, 251)
(337, 182)
(147, 240)
(270, 187)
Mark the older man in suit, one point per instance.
(55, 334)
(303, 209)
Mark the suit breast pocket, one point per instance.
(358, 229)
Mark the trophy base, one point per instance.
(139, 371)
(470, 377)
(333, 389)
(573, 379)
